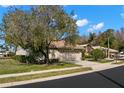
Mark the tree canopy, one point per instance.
(103, 39)
(120, 38)
(34, 30)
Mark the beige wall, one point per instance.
(66, 56)
(54, 54)
(21, 51)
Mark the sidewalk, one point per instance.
(36, 72)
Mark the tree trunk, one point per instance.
(47, 61)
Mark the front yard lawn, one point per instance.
(43, 75)
(9, 66)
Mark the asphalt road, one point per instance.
(111, 78)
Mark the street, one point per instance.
(110, 78)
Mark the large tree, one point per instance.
(92, 38)
(107, 37)
(36, 29)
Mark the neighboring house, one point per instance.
(3, 53)
(112, 52)
(89, 48)
(121, 55)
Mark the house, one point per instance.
(120, 56)
(112, 52)
(89, 48)
(3, 53)
(59, 50)
(21, 51)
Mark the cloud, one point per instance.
(96, 27)
(75, 16)
(82, 22)
(122, 15)
(90, 30)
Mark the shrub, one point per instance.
(20, 58)
(32, 59)
(11, 54)
(52, 61)
(97, 54)
(88, 55)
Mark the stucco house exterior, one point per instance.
(112, 52)
(21, 51)
(3, 53)
(66, 54)
(89, 48)
(59, 50)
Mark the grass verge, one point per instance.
(122, 62)
(10, 66)
(43, 75)
(105, 61)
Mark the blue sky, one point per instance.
(98, 18)
(90, 18)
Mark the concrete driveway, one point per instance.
(98, 66)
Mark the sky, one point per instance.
(90, 18)
(97, 18)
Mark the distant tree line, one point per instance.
(116, 39)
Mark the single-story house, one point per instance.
(89, 48)
(120, 56)
(112, 52)
(59, 50)
(21, 51)
(4, 53)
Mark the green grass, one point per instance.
(122, 62)
(9, 66)
(43, 75)
(105, 61)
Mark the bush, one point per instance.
(11, 54)
(88, 56)
(97, 54)
(25, 59)
(32, 60)
(52, 61)
(20, 58)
